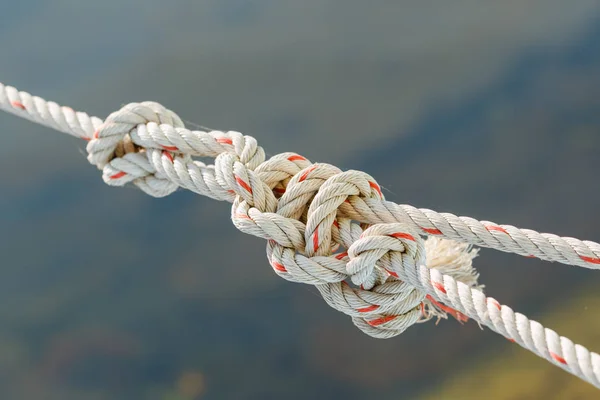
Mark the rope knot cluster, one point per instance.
(311, 240)
(307, 212)
(325, 227)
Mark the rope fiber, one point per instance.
(325, 226)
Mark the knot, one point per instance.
(304, 230)
(112, 150)
(379, 260)
(392, 247)
(308, 213)
(385, 311)
(232, 174)
(324, 207)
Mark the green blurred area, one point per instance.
(518, 374)
(488, 110)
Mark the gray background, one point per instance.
(485, 109)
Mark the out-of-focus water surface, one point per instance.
(486, 109)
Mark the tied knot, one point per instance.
(306, 228)
(382, 260)
(311, 240)
(392, 247)
(318, 220)
(113, 148)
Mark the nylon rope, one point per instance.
(325, 226)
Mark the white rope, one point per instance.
(323, 225)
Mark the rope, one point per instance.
(324, 226)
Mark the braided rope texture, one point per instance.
(324, 226)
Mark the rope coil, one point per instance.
(324, 226)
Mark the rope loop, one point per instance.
(112, 149)
(393, 247)
(326, 227)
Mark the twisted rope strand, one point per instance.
(323, 226)
(196, 176)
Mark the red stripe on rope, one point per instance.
(305, 174)
(460, 317)
(496, 228)
(367, 309)
(590, 259)
(439, 286)
(243, 184)
(376, 187)
(558, 358)
(495, 303)
(18, 104)
(392, 273)
(382, 320)
(432, 231)
(118, 175)
(168, 155)
(403, 235)
(279, 267)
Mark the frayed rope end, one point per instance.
(456, 260)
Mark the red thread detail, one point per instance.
(367, 309)
(439, 286)
(460, 317)
(495, 303)
(279, 190)
(305, 174)
(382, 320)
(558, 358)
(170, 148)
(341, 255)
(316, 239)
(403, 236)
(168, 155)
(511, 340)
(231, 191)
(296, 158)
(87, 139)
(243, 184)
(376, 187)
(336, 224)
(18, 104)
(530, 256)
(432, 231)
(96, 134)
(118, 175)
(224, 140)
(496, 228)
(243, 216)
(590, 259)
(392, 273)
(279, 267)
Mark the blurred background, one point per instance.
(485, 109)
